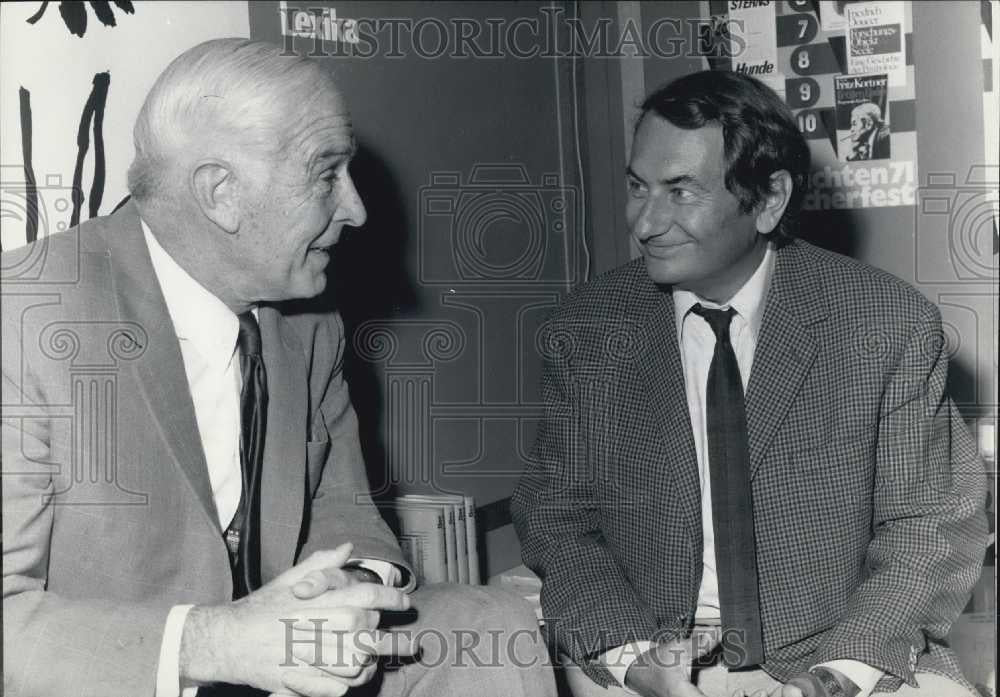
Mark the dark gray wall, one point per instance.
(446, 285)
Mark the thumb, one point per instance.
(317, 561)
(790, 690)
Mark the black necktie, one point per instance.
(732, 507)
(243, 535)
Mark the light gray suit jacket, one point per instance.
(108, 514)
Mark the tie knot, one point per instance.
(248, 340)
(718, 320)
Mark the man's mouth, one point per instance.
(321, 249)
(661, 250)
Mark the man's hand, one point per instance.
(664, 670)
(331, 578)
(820, 681)
(275, 641)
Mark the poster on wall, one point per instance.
(875, 40)
(74, 76)
(759, 56)
(847, 73)
(862, 117)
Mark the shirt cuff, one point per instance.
(388, 572)
(619, 659)
(168, 670)
(861, 674)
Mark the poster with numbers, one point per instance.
(847, 68)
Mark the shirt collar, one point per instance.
(198, 316)
(748, 300)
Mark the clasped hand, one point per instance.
(312, 631)
(665, 670)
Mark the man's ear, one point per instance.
(215, 190)
(775, 202)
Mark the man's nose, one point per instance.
(655, 218)
(352, 209)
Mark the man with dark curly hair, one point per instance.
(749, 478)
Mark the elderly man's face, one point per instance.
(688, 226)
(300, 202)
(861, 125)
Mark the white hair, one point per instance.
(236, 90)
(868, 110)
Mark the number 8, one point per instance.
(804, 60)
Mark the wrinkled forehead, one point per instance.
(320, 121)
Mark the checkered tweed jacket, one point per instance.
(868, 493)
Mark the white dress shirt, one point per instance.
(206, 331)
(697, 345)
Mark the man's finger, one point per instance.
(317, 561)
(342, 657)
(310, 682)
(372, 596)
(687, 690)
(319, 580)
(336, 620)
(789, 691)
(380, 643)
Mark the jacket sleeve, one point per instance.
(588, 603)
(342, 508)
(929, 523)
(55, 645)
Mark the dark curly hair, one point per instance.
(758, 130)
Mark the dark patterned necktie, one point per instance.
(243, 535)
(732, 507)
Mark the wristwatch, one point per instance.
(360, 573)
(835, 683)
(823, 682)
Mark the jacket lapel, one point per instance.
(160, 371)
(283, 484)
(786, 348)
(663, 380)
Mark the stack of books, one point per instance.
(437, 534)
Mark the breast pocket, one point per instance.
(317, 450)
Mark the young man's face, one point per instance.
(688, 226)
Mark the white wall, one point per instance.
(58, 68)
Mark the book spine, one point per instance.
(449, 542)
(471, 540)
(461, 542)
(426, 523)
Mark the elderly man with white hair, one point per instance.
(185, 505)
(869, 133)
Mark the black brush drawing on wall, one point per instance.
(74, 15)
